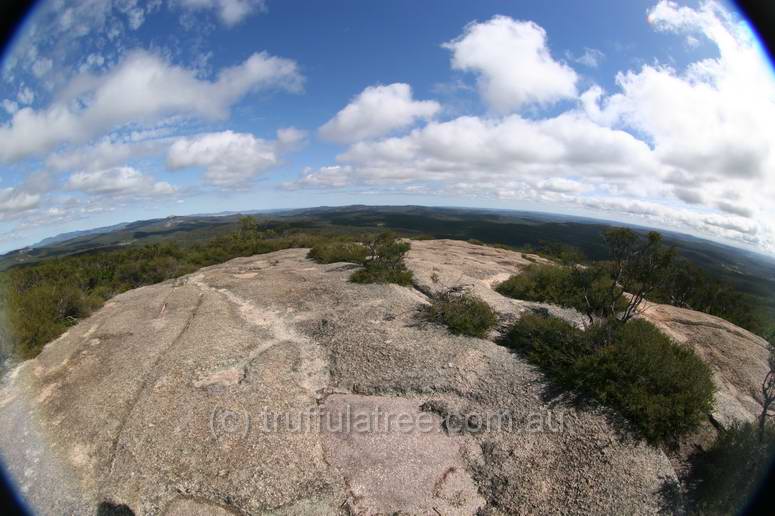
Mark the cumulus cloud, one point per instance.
(688, 148)
(376, 111)
(711, 122)
(334, 176)
(470, 147)
(563, 185)
(230, 12)
(14, 201)
(104, 154)
(513, 63)
(142, 88)
(230, 160)
(118, 182)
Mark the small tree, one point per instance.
(385, 251)
(384, 261)
(248, 227)
(637, 267)
(596, 294)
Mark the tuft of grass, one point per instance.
(662, 388)
(463, 314)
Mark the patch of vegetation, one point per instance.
(384, 261)
(644, 267)
(556, 251)
(613, 289)
(662, 388)
(727, 475)
(462, 313)
(333, 252)
(688, 286)
(540, 282)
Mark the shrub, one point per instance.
(549, 342)
(590, 290)
(729, 473)
(540, 282)
(637, 266)
(382, 275)
(384, 262)
(663, 389)
(463, 314)
(333, 252)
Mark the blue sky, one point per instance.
(657, 113)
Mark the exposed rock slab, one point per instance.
(439, 265)
(158, 401)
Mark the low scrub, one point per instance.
(540, 282)
(662, 388)
(726, 476)
(384, 261)
(463, 314)
(637, 266)
(333, 252)
(376, 274)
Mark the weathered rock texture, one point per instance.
(224, 392)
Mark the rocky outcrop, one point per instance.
(272, 385)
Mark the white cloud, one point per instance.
(471, 147)
(688, 195)
(104, 154)
(230, 160)
(334, 176)
(692, 149)
(290, 138)
(118, 182)
(25, 96)
(735, 208)
(513, 62)
(41, 67)
(376, 111)
(230, 12)
(591, 57)
(14, 201)
(563, 185)
(142, 88)
(10, 106)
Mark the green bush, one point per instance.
(590, 290)
(463, 314)
(539, 282)
(662, 388)
(333, 252)
(376, 274)
(725, 476)
(384, 262)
